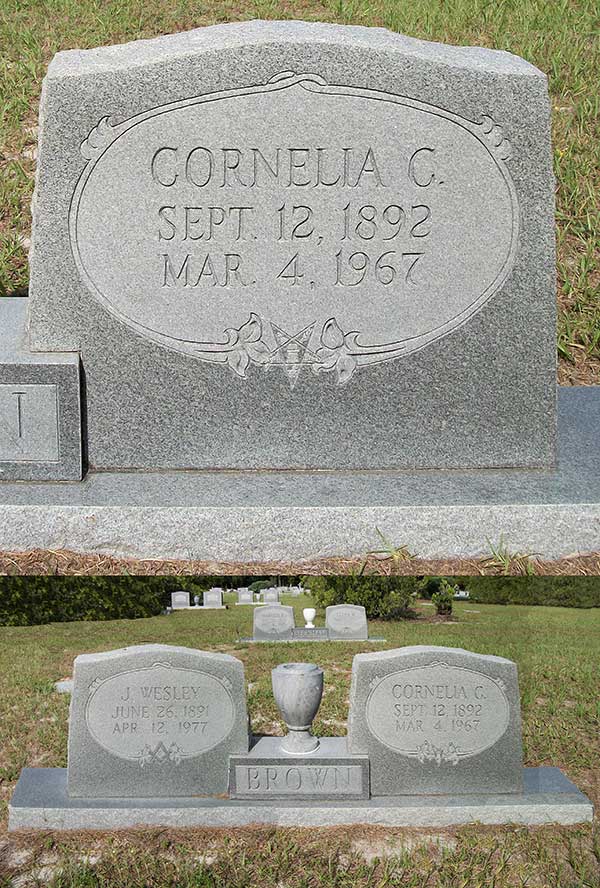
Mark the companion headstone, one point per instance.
(273, 622)
(153, 721)
(180, 600)
(270, 596)
(346, 621)
(284, 219)
(213, 598)
(437, 721)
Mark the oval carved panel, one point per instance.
(295, 225)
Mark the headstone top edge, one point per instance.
(151, 649)
(232, 35)
(436, 650)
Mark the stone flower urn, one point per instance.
(298, 688)
(309, 613)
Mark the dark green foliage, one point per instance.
(259, 585)
(429, 585)
(384, 598)
(551, 591)
(30, 601)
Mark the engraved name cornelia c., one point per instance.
(436, 692)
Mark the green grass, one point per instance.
(558, 654)
(561, 37)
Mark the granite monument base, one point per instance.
(290, 516)
(40, 801)
(311, 635)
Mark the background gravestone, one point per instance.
(180, 600)
(273, 622)
(213, 598)
(346, 621)
(271, 596)
(154, 721)
(366, 244)
(437, 720)
(245, 596)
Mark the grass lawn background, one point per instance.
(561, 37)
(557, 651)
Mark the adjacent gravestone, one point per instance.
(180, 600)
(270, 596)
(245, 596)
(273, 622)
(437, 720)
(293, 219)
(40, 407)
(213, 598)
(346, 621)
(153, 721)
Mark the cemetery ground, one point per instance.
(557, 651)
(561, 38)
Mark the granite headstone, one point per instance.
(180, 600)
(436, 720)
(273, 622)
(346, 621)
(153, 721)
(245, 596)
(213, 598)
(270, 596)
(324, 232)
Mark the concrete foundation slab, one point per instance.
(40, 801)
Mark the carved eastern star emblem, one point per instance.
(291, 352)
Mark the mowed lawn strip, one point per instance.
(562, 38)
(558, 654)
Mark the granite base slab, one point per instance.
(40, 801)
(284, 516)
(311, 639)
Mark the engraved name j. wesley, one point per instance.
(166, 694)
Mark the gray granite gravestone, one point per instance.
(292, 219)
(245, 596)
(213, 598)
(273, 622)
(180, 600)
(270, 596)
(153, 721)
(40, 410)
(342, 240)
(437, 720)
(346, 621)
(434, 740)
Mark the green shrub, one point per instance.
(444, 598)
(259, 585)
(384, 598)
